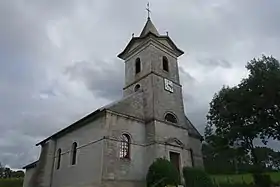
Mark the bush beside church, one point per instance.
(162, 173)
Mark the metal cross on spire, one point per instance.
(148, 10)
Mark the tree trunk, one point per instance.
(255, 160)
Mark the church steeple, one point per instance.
(149, 27)
(151, 67)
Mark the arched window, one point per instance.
(137, 87)
(165, 64)
(125, 146)
(170, 118)
(74, 153)
(137, 65)
(58, 158)
(192, 159)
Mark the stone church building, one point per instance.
(115, 145)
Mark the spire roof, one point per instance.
(149, 31)
(149, 27)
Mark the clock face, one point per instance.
(168, 85)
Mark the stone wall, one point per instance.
(88, 168)
(196, 145)
(114, 167)
(42, 174)
(27, 177)
(151, 54)
(157, 101)
(165, 101)
(164, 132)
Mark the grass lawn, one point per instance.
(14, 182)
(240, 178)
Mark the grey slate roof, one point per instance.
(193, 132)
(83, 121)
(134, 39)
(150, 30)
(132, 105)
(149, 27)
(31, 165)
(124, 106)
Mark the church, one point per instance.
(116, 144)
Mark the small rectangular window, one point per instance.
(137, 65)
(74, 153)
(58, 158)
(192, 158)
(165, 64)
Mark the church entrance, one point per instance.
(175, 159)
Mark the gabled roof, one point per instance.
(31, 165)
(131, 105)
(149, 27)
(193, 132)
(83, 121)
(121, 106)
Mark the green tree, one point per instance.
(251, 110)
(162, 173)
(217, 162)
(264, 88)
(268, 158)
(225, 161)
(1, 171)
(276, 160)
(17, 174)
(264, 156)
(6, 172)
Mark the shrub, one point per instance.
(162, 173)
(262, 180)
(195, 177)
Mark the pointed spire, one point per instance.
(149, 27)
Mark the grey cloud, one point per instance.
(106, 80)
(214, 62)
(188, 81)
(18, 150)
(235, 29)
(24, 51)
(255, 18)
(185, 75)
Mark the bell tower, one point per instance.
(151, 66)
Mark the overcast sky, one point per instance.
(58, 58)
